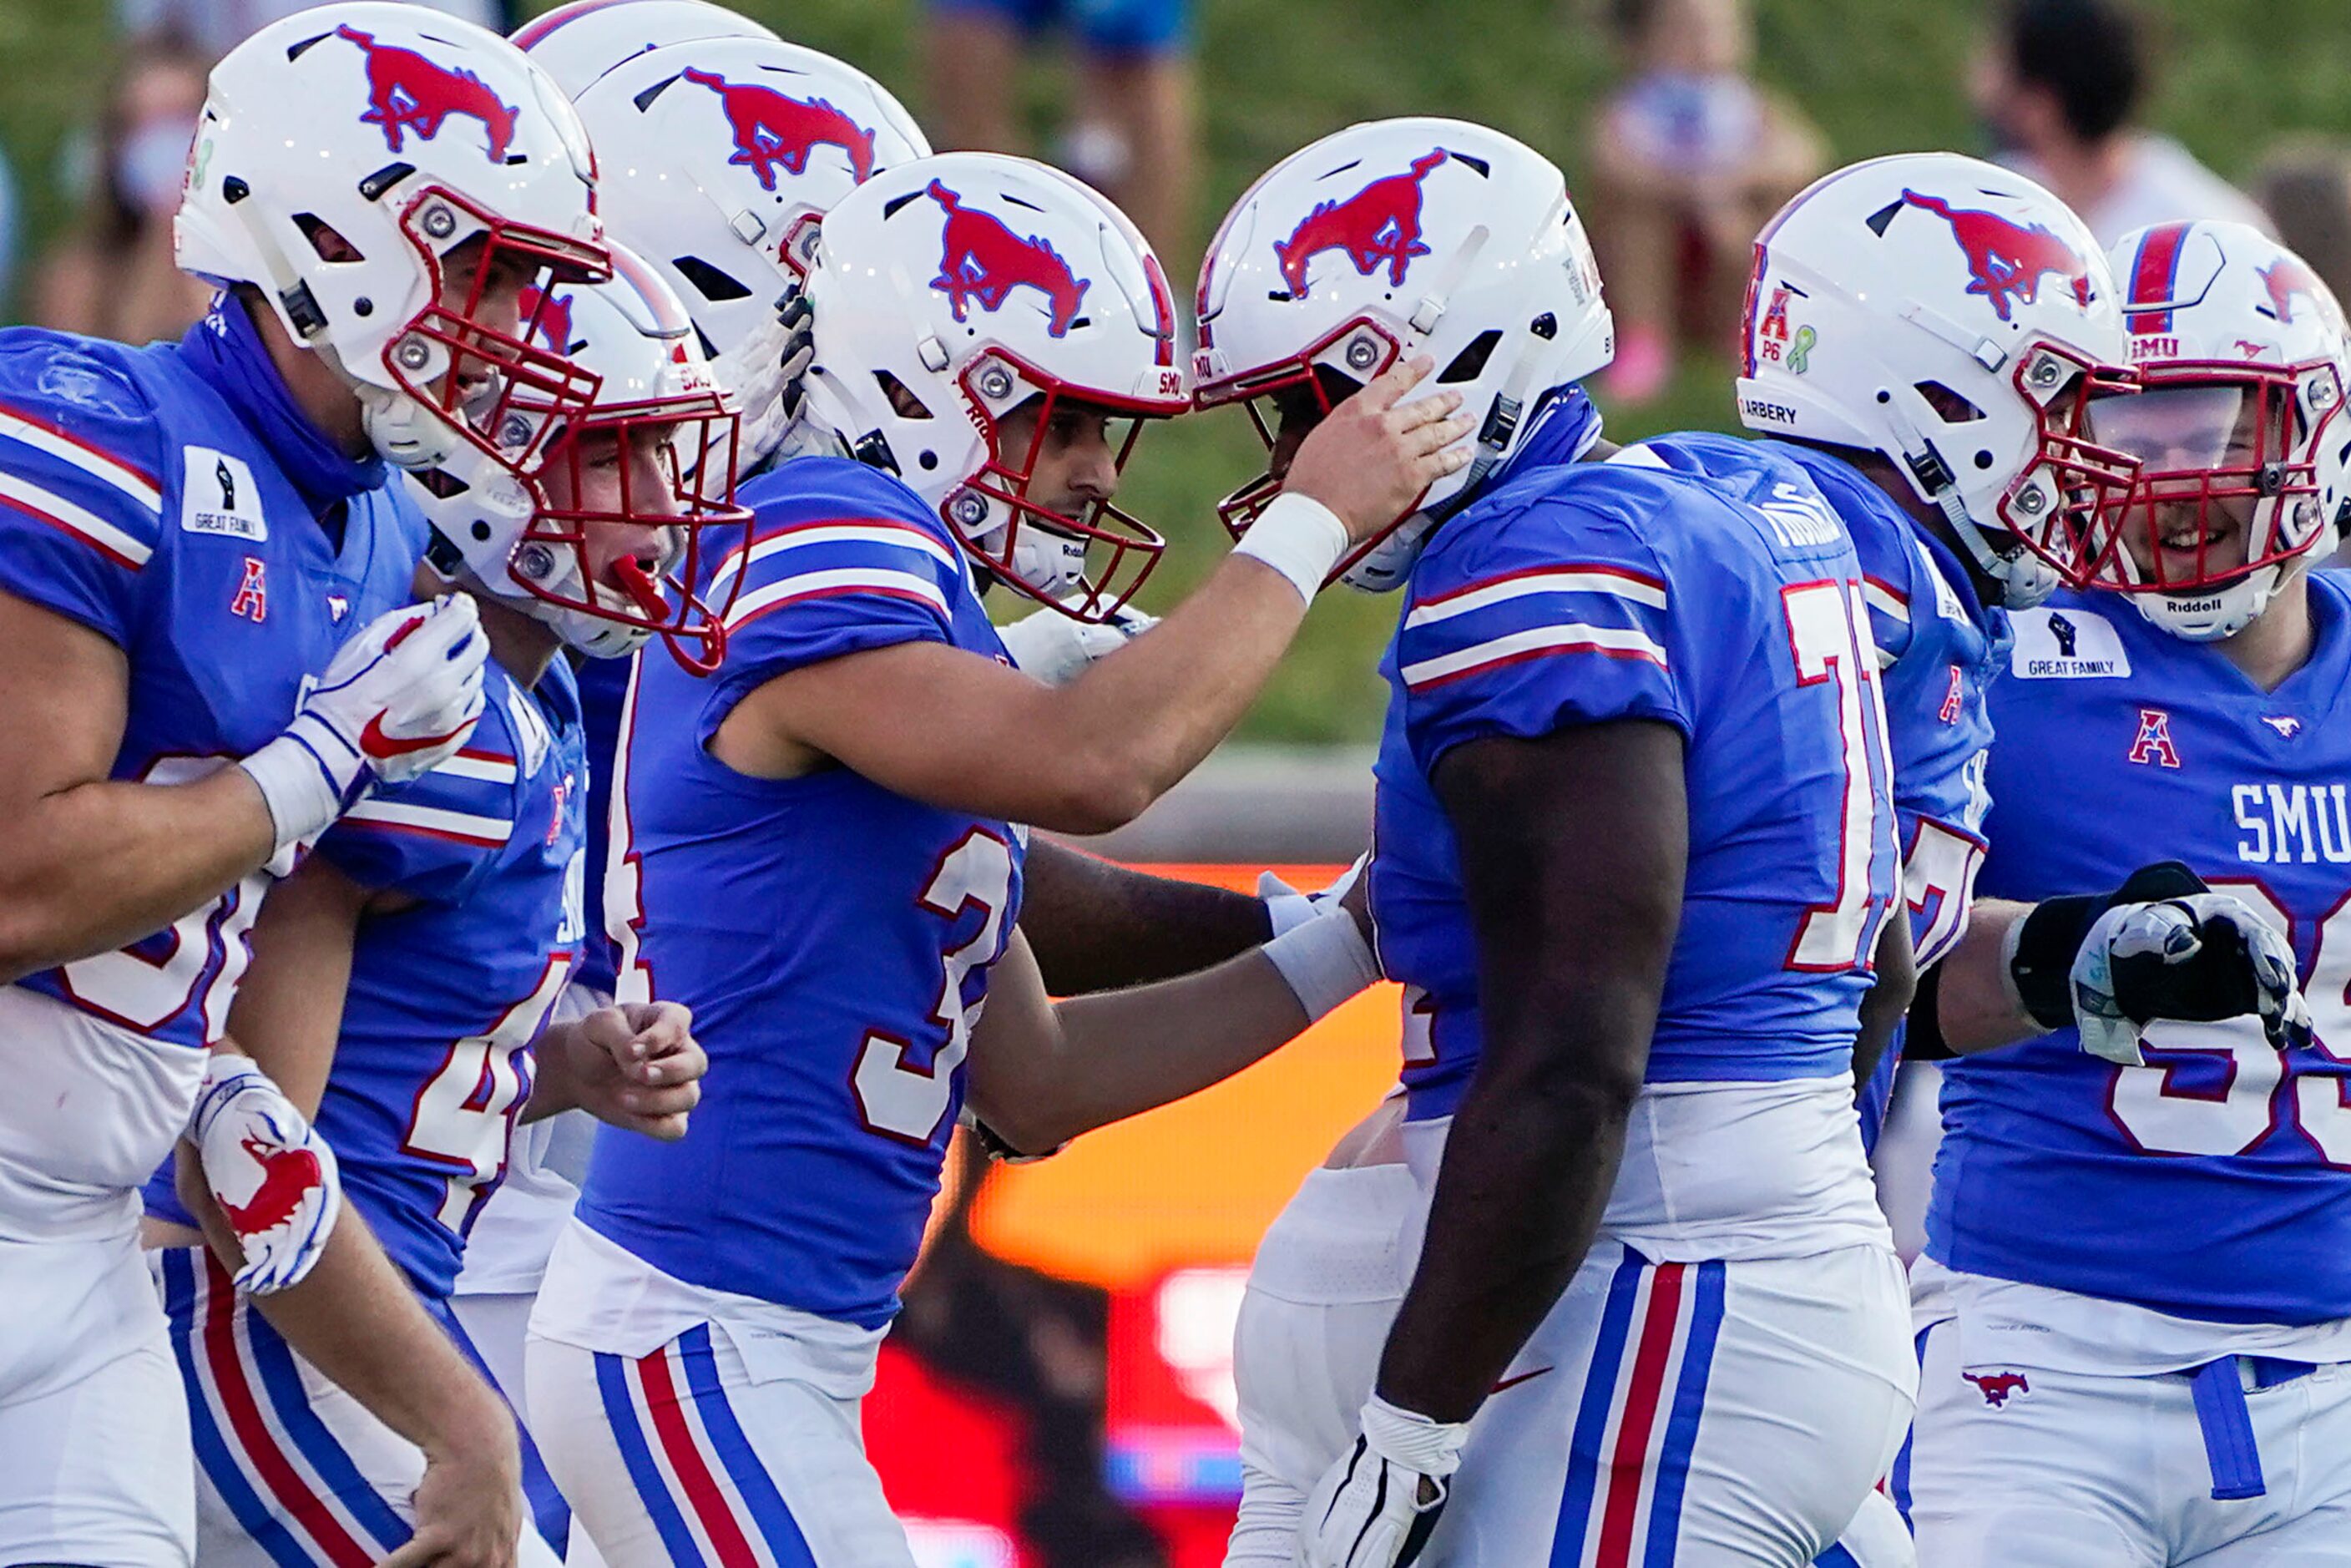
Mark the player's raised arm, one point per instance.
(1090, 756)
(95, 861)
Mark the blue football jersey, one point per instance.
(138, 498)
(1728, 606)
(446, 997)
(1939, 647)
(2121, 745)
(603, 683)
(832, 939)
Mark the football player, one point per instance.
(1702, 1350)
(2134, 1305)
(1953, 467)
(405, 975)
(1897, 349)
(651, 153)
(817, 851)
(1827, 273)
(199, 547)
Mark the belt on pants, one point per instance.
(2219, 1388)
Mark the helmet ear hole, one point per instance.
(902, 396)
(326, 241)
(712, 283)
(1471, 360)
(1952, 408)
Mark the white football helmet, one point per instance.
(949, 292)
(577, 43)
(721, 156)
(1391, 239)
(343, 153)
(527, 542)
(1954, 318)
(2237, 423)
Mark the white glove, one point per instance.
(1376, 1507)
(1287, 908)
(1056, 648)
(2201, 957)
(272, 1174)
(398, 700)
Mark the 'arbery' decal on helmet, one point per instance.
(771, 129)
(982, 262)
(2008, 260)
(1379, 223)
(408, 92)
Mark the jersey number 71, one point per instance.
(1827, 633)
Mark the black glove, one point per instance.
(2162, 946)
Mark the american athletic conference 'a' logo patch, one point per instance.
(981, 262)
(1380, 223)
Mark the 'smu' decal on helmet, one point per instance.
(1379, 223)
(408, 92)
(982, 262)
(2008, 260)
(771, 129)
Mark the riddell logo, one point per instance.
(2008, 260)
(772, 130)
(982, 262)
(1998, 1387)
(1380, 223)
(408, 92)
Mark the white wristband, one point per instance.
(1325, 960)
(1299, 537)
(295, 787)
(1417, 1442)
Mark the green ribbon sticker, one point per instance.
(1801, 351)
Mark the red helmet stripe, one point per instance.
(2153, 274)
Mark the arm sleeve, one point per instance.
(818, 590)
(81, 496)
(1559, 616)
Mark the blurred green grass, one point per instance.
(1878, 76)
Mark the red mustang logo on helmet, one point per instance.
(549, 315)
(408, 92)
(1379, 223)
(771, 129)
(2008, 260)
(287, 1176)
(2285, 279)
(981, 260)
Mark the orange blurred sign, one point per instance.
(1197, 1182)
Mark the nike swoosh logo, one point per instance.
(1521, 1377)
(376, 744)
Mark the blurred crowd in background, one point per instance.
(1683, 158)
(1065, 1447)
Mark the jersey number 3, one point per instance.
(908, 1102)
